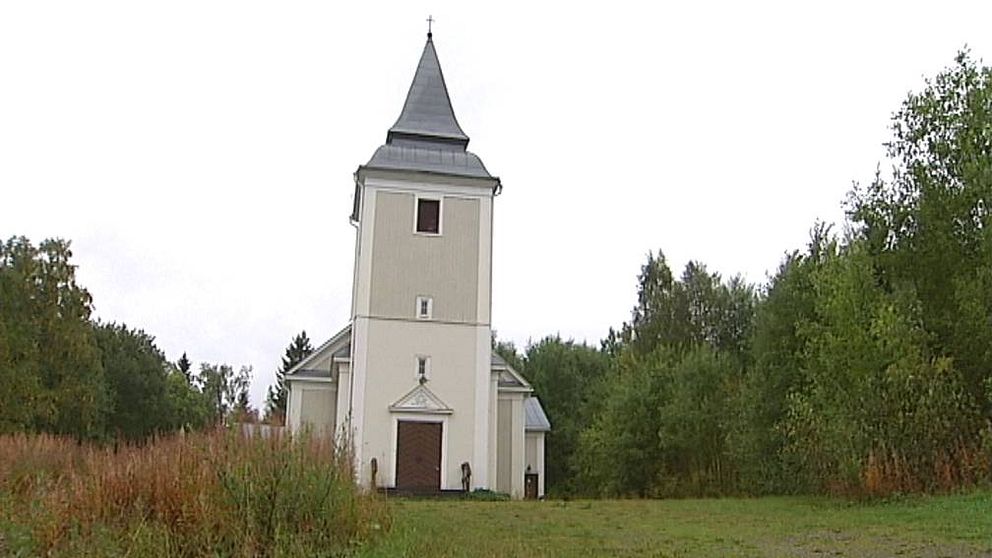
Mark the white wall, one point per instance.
(511, 446)
(392, 373)
(312, 405)
(535, 458)
(504, 445)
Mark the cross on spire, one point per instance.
(430, 21)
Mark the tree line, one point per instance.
(63, 372)
(862, 366)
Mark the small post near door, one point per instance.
(418, 456)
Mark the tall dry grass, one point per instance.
(216, 493)
(887, 473)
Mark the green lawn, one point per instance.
(781, 526)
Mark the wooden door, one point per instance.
(418, 456)
(530, 486)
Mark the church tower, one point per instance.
(411, 383)
(422, 393)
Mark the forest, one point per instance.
(64, 373)
(862, 366)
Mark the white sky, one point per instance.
(199, 154)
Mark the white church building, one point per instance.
(412, 382)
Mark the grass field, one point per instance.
(946, 526)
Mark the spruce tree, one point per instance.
(275, 404)
(184, 366)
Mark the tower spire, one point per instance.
(426, 136)
(427, 114)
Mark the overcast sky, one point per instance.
(199, 154)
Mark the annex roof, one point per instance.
(535, 420)
(338, 346)
(497, 361)
(312, 373)
(509, 378)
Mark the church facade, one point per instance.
(412, 382)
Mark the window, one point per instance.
(423, 368)
(425, 307)
(428, 216)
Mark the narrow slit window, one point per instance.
(425, 307)
(423, 368)
(428, 216)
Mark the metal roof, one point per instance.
(497, 361)
(426, 137)
(427, 111)
(535, 419)
(420, 158)
(508, 379)
(341, 337)
(344, 351)
(309, 373)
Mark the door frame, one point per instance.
(394, 442)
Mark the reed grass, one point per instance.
(224, 493)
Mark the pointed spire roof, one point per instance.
(427, 113)
(426, 137)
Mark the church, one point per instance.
(412, 383)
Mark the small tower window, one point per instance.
(428, 216)
(423, 368)
(425, 307)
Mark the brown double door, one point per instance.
(418, 456)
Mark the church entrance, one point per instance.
(418, 456)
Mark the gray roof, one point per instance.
(341, 337)
(508, 377)
(418, 158)
(344, 351)
(427, 111)
(509, 380)
(535, 418)
(310, 373)
(498, 361)
(426, 137)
